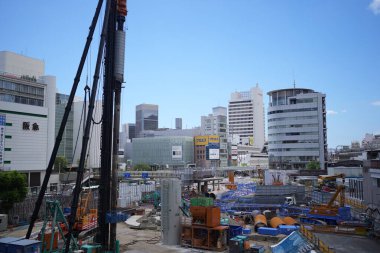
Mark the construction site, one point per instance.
(189, 209)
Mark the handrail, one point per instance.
(323, 247)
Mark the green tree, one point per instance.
(60, 163)
(142, 167)
(13, 189)
(313, 165)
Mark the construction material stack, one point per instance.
(205, 231)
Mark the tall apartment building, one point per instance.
(66, 146)
(178, 123)
(216, 124)
(297, 130)
(27, 116)
(246, 117)
(146, 118)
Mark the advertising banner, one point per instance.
(213, 154)
(201, 140)
(176, 152)
(204, 140)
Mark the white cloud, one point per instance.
(375, 6)
(331, 112)
(376, 103)
(344, 111)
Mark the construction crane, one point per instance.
(111, 52)
(328, 182)
(329, 213)
(330, 209)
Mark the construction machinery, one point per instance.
(328, 183)
(330, 213)
(231, 179)
(111, 52)
(54, 229)
(277, 180)
(85, 218)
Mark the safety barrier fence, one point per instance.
(324, 248)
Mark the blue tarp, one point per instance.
(294, 242)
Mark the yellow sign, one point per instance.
(201, 140)
(204, 140)
(213, 139)
(251, 141)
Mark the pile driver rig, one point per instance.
(111, 52)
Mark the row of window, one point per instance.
(293, 126)
(292, 149)
(293, 118)
(293, 134)
(293, 158)
(22, 88)
(294, 141)
(21, 100)
(294, 110)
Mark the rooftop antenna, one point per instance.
(294, 80)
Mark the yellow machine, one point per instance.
(330, 209)
(328, 182)
(86, 218)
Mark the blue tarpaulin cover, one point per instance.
(294, 242)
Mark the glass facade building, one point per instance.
(66, 147)
(175, 151)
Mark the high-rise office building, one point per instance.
(296, 128)
(246, 117)
(27, 116)
(178, 123)
(66, 146)
(216, 124)
(93, 149)
(146, 118)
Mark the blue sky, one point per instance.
(187, 56)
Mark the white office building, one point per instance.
(246, 117)
(296, 128)
(93, 159)
(27, 116)
(216, 124)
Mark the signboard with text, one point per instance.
(176, 152)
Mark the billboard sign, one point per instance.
(213, 139)
(2, 139)
(201, 140)
(204, 140)
(176, 152)
(213, 154)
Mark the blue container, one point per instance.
(242, 237)
(5, 241)
(268, 231)
(257, 249)
(247, 231)
(24, 246)
(234, 231)
(287, 230)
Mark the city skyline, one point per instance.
(189, 56)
